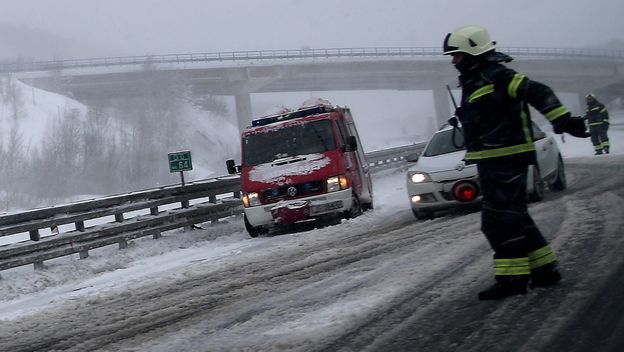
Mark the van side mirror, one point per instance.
(351, 144)
(231, 166)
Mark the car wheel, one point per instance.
(537, 193)
(560, 183)
(252, 230)
(423, 214)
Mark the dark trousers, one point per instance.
(599, 137)
(505, 219)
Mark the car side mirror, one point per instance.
(231, 166)
(412, 157)
(537, 135)
(351, 144)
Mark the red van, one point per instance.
(302, 166)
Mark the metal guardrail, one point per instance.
(388, 158)
(119, 229)
(297, 54)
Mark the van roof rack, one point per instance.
(308, 111)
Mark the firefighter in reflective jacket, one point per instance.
(495, 120)
(598, 120)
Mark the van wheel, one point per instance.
(356, 208)
(560, 183)
(537, 194)
(253, 231)
(368, 206)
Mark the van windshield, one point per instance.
(299, 139)
(442, 143)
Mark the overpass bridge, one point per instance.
(240, 74)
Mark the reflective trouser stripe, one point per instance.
(541, 257)
(512, 266)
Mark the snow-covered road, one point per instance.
(379, 282)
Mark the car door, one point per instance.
(546, 151)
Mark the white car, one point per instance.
(440, 180)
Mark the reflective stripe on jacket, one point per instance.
(495, 115)
(596, 114)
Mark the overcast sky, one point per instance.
(137, 27)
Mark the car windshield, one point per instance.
(299, 139)
(442, 143)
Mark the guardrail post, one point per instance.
(123, 244)
(156, 234)
(237, 194)
(119, 217)
(84, 254)
(80, 226)
(185, 204)
(39, 265)
(154, 211)
(34, 235)
(213, 200)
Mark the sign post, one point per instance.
(180, 162)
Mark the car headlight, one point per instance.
(251, 200)
(418, 177)
(337, 183)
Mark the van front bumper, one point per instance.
(297, 210)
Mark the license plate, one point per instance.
(325, 207)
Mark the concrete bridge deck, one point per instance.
(241, 74)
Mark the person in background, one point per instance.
(496, 123)
(598, 120)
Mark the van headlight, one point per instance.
(251, 200)
(337, 183)
(418, 177)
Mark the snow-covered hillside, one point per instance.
(90, 152)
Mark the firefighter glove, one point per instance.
(573, 125)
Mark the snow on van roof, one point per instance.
(276, 110)
(314, 102)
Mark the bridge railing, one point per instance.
(117, 219)
(296, 54)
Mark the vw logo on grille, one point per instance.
(460, 167)
(292, 191)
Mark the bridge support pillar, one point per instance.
(442, 105)
(582, 103)
(243, 110)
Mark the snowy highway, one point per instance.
(380, 282)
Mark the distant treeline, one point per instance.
(119, 146)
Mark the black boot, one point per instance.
(598, 152)
(505, 286)
(545, 276)
(606, 150)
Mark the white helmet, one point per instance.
(473, 40)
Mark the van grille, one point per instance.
(303, 189)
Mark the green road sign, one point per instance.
(180, 161)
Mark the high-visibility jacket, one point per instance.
(596, 114)
(495, 114)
